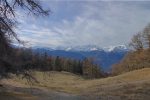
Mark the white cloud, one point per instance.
(98, 23)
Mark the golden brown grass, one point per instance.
(126, 86)
(67, 82)
(58, 81)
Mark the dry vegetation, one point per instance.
(132, 61)
(133, 85)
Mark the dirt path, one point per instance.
(13, 90)
(40, 93)
(49, 95)
(44, 94)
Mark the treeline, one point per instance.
(139, 57)
(9, 61)
(22, 60)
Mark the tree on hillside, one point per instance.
(58, 64)
(137, 42)
(91, 70)
(8, 17)
(8, 22)
(135, 59)
(79, 68)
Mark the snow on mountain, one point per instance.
(68, 49)
(84, 48)
(96, 48)
(87, 48)
(93, 49)
(121, 48)
(104, 57)
(116, 48)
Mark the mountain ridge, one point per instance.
(86, 48)
(104, 58)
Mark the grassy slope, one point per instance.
(133, 85)
(129, 85)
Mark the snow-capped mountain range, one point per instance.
(116, 48)
(87, 48)
(105, 57)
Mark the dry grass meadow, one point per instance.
(133, 85)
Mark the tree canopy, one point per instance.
(8, 22)
(8, 19)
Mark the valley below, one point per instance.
(134, 85)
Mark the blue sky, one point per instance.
(73, 23)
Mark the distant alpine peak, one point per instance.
(116, 48)
(90, 48)
(68, 48)
(84, 48)
(93, 49)
(97, 48)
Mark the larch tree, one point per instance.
(8, 22)
(8, 19)
(137, 42)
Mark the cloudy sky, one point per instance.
(101, 23)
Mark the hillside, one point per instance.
(132, 61)
(133, 85)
